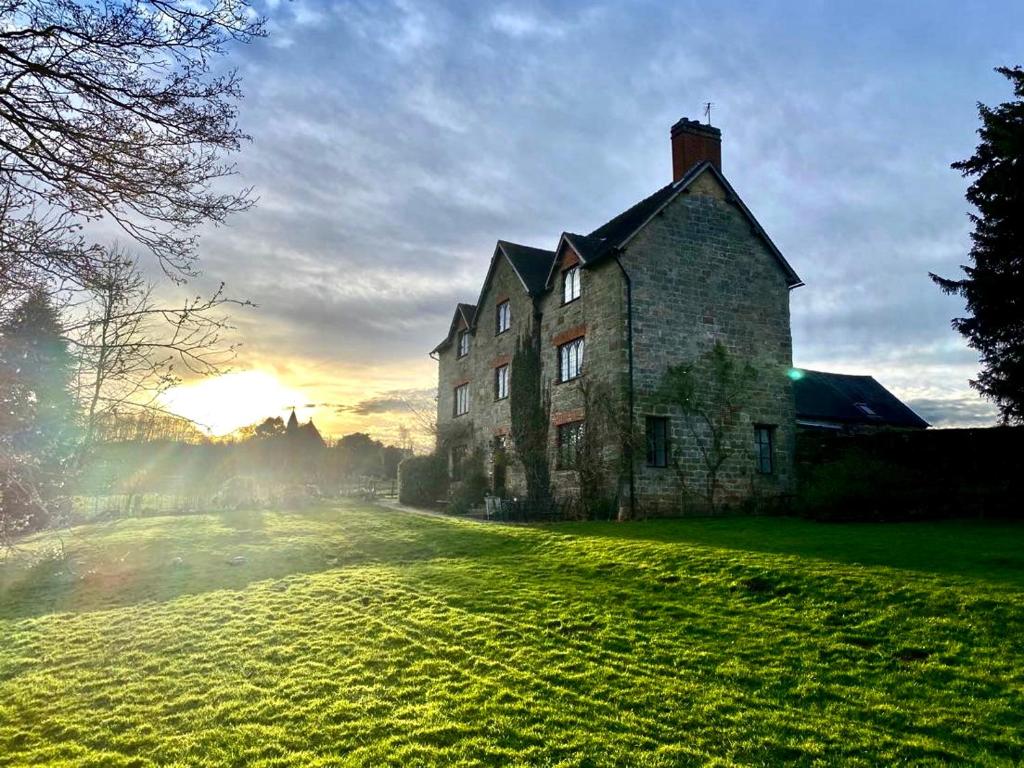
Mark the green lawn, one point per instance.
(359, 636)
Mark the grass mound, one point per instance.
(358, 636)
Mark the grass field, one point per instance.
(360, 636)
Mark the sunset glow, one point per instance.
(222, 404)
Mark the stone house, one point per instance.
(658, 285)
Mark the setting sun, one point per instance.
(222, 404)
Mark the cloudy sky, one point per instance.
(394, 142)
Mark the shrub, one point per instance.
(422, 480)
(858, 486)
(470, 490)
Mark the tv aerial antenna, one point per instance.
(707, 111)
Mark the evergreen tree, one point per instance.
(529, 407)
(994, 284)
(38, 434)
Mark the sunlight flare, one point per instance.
(224, 403)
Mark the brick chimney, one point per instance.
(694, 142)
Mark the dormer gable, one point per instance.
(462, 320)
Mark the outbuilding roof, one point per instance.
(853, 400)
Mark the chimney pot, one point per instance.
(694, 142)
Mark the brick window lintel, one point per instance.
(565, 417)
(569, 334)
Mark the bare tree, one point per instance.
(711, 392)
(113, 110)
(131, 347)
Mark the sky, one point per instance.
(393, 142)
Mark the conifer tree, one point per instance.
(529, 409)
(994, 283)
(38, 434)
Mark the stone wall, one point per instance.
(599, 315)
(488, 417)
(700, 276)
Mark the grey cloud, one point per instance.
(395, 401)
(955, 412)
(394, 143)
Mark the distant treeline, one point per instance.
(265, 463)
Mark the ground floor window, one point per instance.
(657, 441)
(764, 439)
(570, 438)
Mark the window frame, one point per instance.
(563, 447)
(498, 375)
(577, 284)
(652, 441)
(464, 388)
(563, 364)
(463, 336)
(764, 449)
(507, 306)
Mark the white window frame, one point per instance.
(463, 343)
(501, 380)
(461, 406)
(572, 287)
(570, 359)
(504, 320)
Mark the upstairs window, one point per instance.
(504, 318)
(462, 399)
(570, 360)
(657, 441)
(570, 439)
(764, 438)
(501, 382)
(571, 284)
(463, 343)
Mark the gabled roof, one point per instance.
(465, 312)
(530, 264)
(588, 248)
(838, 397)
(536, 267)
(615, 234)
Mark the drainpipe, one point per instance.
(632, 420)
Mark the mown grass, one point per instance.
(359, 636)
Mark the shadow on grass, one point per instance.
(971, 549)
(114, 564)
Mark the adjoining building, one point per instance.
(658, 285)
(839, 402)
